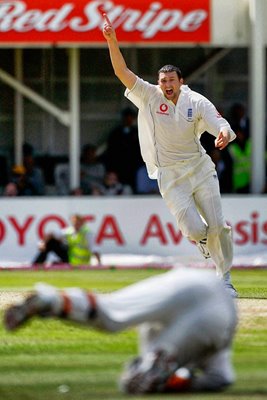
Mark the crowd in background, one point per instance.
(120, 170)
(233, 164)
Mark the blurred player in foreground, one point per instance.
(171, 120)
(186, 322)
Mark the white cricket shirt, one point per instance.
(170, 133)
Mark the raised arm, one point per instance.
(125, 75)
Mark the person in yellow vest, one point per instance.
(240, 151)
(74, 245)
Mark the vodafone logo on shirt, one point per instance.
(50, 22)
(163, 108)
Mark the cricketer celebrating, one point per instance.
(171, 120)
(186, 318)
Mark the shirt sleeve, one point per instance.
(212, 120)
(139, 95)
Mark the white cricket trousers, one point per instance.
(191, 192)
(183, 312)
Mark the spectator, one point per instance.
(76, 192)
(10, 190)
(62, 179)
(35, 182)
(111, 186)
(224, 167)
(92, 170)
(240, 151)
(145, 185)
(34, 177)
(74, 245)
(91, 173)
(19, 178)
(222, 160)
(239, 119)
(123, 151)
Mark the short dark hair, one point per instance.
(171, 68)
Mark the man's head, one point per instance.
(170, 80)
(77, 221)
(89, 154)
(171, 68)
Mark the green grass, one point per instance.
(38, 361)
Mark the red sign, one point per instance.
(81, 21)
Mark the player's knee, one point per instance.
(196, 233)
(194, 230)
(220, 229)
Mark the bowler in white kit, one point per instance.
(186, 321)
(171, 120)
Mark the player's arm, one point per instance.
(216, 124)
(90, 243)
(222, 139)
(125, 75)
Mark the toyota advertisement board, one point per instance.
(130, 225)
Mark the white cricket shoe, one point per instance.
(231, 290)
(229, 286)
(202, 246)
